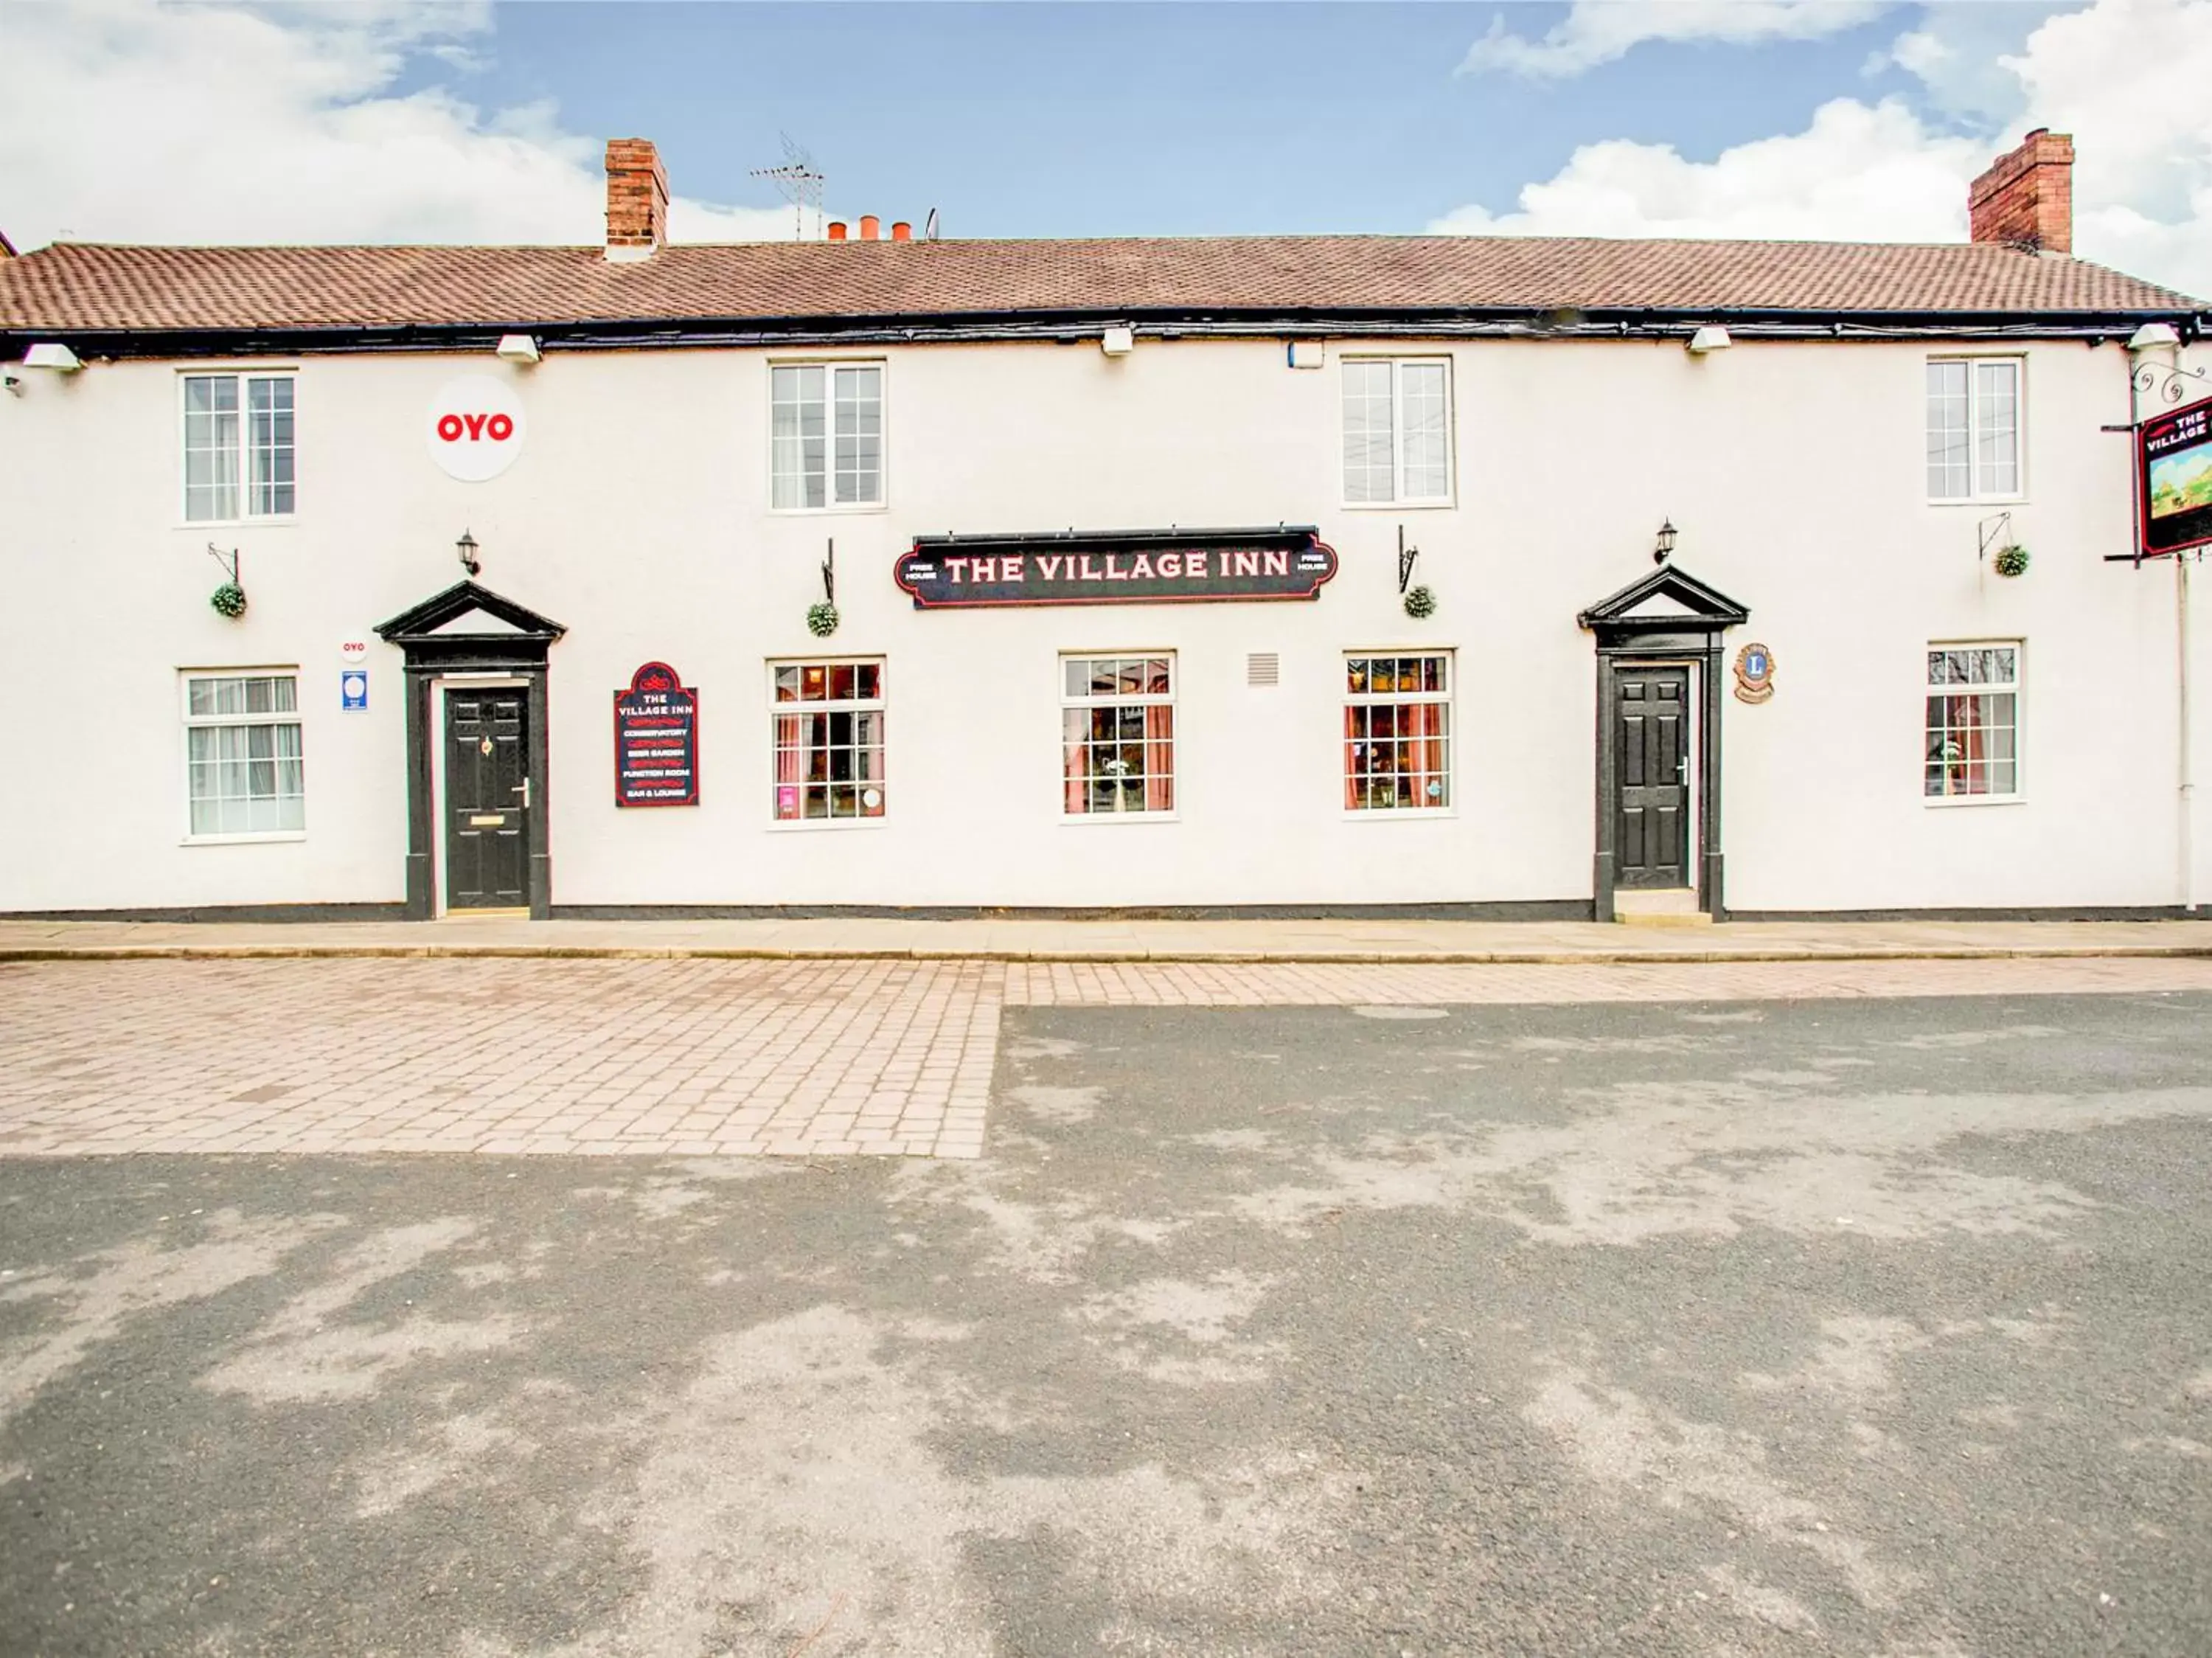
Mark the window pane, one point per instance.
(860, 418)
(269, 408)
(1368, 438)
(1997, 428)
(211, 447)
(1428, 462)
(798, 441)
(1949, 476)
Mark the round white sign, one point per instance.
(474, 427)
(353, 652)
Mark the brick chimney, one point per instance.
(637, 199)
(2025, 199)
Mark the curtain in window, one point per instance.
(1074, 727)
(1425, 724)
(790, 764)
(1353, 782)
(1159, 758)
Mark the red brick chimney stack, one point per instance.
(2025, 199)
(637, 199)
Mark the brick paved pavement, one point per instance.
(705, 1057)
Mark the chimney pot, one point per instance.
(902, 231)
(836, 230)
(637, 199)
(2026, 198)
(869, 225)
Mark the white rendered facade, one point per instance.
(638, 513)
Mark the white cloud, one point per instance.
(1596, 32)
(1855, 173)
(2125, 78)
(130, 122)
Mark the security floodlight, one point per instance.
(1711, 337)
(2150, 335)
(1118, 342)
(518, 348)
(57, 358)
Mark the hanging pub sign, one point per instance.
(2175, 479)
(656, 740)
(1115, 567)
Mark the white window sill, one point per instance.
(1946, 802)
(1397, 506)
(800, 826)
(846, 510)
(1389, 814)
(1977, 500)
(265, 837)
(1074, 819)
(274, 520)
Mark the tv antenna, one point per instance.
(929, 227)
(801, 182)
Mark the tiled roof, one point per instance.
(92, 286)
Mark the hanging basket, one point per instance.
(2011, 561)
(230, 599)
(822, 620)
(1420, 604)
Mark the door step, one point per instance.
(1663, 906)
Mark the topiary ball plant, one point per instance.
(2011, 561)
(822, 620)
(230, 599)
(1420, 604)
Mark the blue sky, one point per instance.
(1040, 119)
(414, 120)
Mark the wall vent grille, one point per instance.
(1263, 668)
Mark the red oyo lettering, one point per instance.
(498, 426)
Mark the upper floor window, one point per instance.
(1973, 428)
(1397, 431)
(240, 459)
(826, 435)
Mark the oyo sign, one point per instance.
(475, 427)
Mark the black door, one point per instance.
(1651, 776)
(488, 801)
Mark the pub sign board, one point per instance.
(656, 740)
(2175, 479)
(1115, 567)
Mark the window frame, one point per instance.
(189, 722)
(1448, 699)
(2016, 689)
(243, 373)
(1399, 501)
(1975, 496)
(879, 704)
(1167, 699)
(830, 504)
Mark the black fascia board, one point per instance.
(935, 327)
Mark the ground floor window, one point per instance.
(243, 771)
(1117, 735)
(1973, 733)
(829, 736)
(1397, 733)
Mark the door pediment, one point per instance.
(469, 627)
(1668, 600)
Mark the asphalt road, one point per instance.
(1868, 1327)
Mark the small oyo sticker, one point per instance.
(352, 653)
(474, 427)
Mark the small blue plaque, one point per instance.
(353, 690)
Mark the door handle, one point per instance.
(523, 789)
(1681, 771)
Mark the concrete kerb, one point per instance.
(1590, 957)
